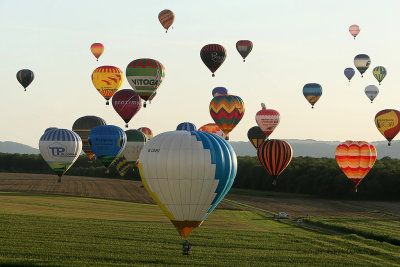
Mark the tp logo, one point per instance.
(57, 150)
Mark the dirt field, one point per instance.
(132, 191)
(297, 207)
(115, 189)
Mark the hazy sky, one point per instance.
(295, 42)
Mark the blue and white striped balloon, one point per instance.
(187, 174)
(186, 126)
(60, 148)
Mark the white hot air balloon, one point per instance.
(371, 91)
(187, 174)
(134, 145)
(60, 148)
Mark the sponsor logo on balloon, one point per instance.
(216, 58)
(153, 150)
(126, 102)
(58, 150)
(141, 82)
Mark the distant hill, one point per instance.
(17, 148)
(318, 149)
(305, 148)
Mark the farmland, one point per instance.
(44, 226)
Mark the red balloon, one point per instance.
(126, 103)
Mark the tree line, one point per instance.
(320, 177)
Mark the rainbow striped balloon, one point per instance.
(227, 111)
(355, 158)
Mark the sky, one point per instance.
(294, 43)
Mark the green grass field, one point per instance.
(382, 229)
(71, 231)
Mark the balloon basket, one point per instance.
(126, 125)
(213, 75)
(144, 104)
(107, 103)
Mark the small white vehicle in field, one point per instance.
(283, 215)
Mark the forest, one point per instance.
(320, 177)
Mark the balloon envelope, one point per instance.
(145, 76)
(213, 55)
(82, 127)
(379, 73)
(135, 141)
(97, 50)
(387, 122)
(25, 77)
(362, 63)
(256, 136)
(227, 111)
(244, 48)
(349, 73)
(186, 126)
(371, 91)
(126, 103)
(355, 159)
(219, 91)
(275, 155)
(267, 120)
(50, 129)
(312, 92)
(147, 132)
(60, 148)
(166, 18)
(122, 165)
(187, 174)
(354, 30)
(107, 142)
(107, 80)
(213, 128)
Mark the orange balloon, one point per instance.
(166, 18)
(355, 158)
(97, 49)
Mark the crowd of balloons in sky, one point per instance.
(188, 171)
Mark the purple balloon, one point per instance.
(219, 91)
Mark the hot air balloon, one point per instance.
(25, 77)
(379, 73)
(60, 148)
(50, 129)
(219, 91)
(145, 76)
(275, 155)
(187, 174)
(312, 92)
(387, 122)
(244, 48)
(256, 136)
(186, 126)
(166, 18)
(126, 103)
(354, 30)
(213, 55)
(213, 128)
(227, 111)
(362, 63)
(107, 142)
(82, 127)
(135, 141)
(97, 50)
(349, 73)
(267, 119)
(356, 159)
(371, 91)
(147, 132)
(122, 165)
(107, 80)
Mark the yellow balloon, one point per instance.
(107, 80)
